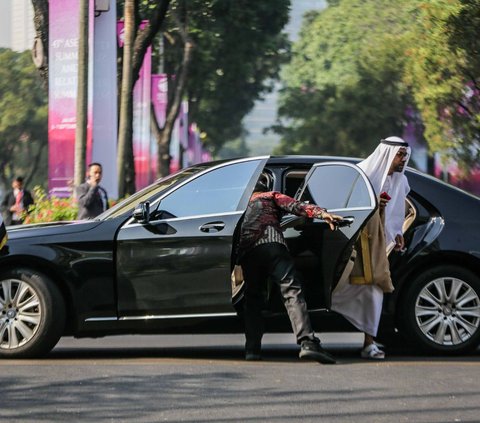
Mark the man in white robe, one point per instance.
(362, 304)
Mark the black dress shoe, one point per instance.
(253, 356)
(312, 350)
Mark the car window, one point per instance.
(218, 191)
(293, 180)
(337, 186)
(150, 192)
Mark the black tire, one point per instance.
(32, 315)
(447, 323)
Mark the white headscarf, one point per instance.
(376, 167)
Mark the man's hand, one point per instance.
(399, 243)
(382, 203)
(93, 182)
(331, 219)
(383, 200)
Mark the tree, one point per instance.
(136, 43)
(444, 74)
(220, 55)
(181, 41)
(223, 56)
(234, 148)
(343, 88)
(464, 34)
(23, 119)
(125, 164)
(358, 66)
(40, 52)
(237, 58)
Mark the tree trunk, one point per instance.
(164, 135)
(82, 96)
(40, 50)
(125, 163)
(146, 35)
(163, 158)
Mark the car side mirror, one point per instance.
(142, 212)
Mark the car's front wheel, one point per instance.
(32, 314)
(442, 310)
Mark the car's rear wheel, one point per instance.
(32, 314)
(442, 310)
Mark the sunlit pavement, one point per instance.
(204, 378)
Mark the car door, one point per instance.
(179, 263)
(321, 254)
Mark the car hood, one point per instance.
(50, 228)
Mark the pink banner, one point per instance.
(451, 173)
(175, 144)
(141, 123)
(469, 182)
(63, 51)
(63, 73)
(159, 102)
(179, 140)
(183, 133)
(193, 153)
(196, 153)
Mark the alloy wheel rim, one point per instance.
(447, 311)
(20, 313)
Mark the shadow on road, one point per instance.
(270, 353)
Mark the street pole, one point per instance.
(82, 96)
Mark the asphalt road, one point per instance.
(205, 379)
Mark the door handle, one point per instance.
(212, 227)
(346, 221)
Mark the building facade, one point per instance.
(17, 30)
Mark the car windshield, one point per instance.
(129, 203)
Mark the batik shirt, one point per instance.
(261, 223)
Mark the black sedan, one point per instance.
(160, 261)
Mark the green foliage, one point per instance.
(239, 48)
(444, 72)
(463, 33)
(358, 65)
(23, 118)
(343, 88)
(238, 51)
(233, 148)
(50, 209)
(262, 145)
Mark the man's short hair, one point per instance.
(19, 179)
(95, 164)
(264, 183)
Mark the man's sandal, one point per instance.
(372, 352)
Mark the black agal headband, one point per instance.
(395, 143)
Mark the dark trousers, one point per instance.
(272, 260)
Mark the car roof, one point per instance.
(308, 159)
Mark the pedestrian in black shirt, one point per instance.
(16, 202)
